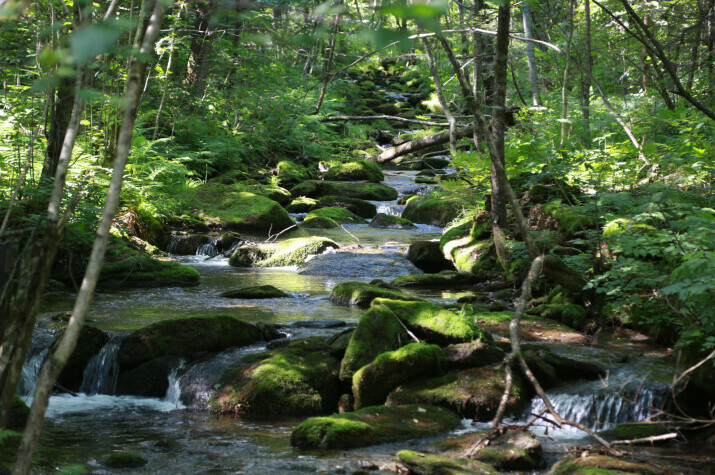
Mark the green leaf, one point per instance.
(92, 40)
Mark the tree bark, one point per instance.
(588, 65)
(530, 53)
(564, 86)
(421, 144)
(201, 46)
(328, 63)
(440, 95)
(60, 119)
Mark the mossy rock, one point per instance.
(255, 292)
(355, 171)
(373, 382)
(635, 431)
(290, 252)
(552, 369)
(446, 279)
(423, 180)
(434, 210)
(360, 294)
(276, 193)
(290, 173)
(472, 355)
(428, 257)
(473, 393)
(186, 338)
(125, 460)
(339, 215)
(17, 416)
(575, 316)
(229, 207)
(318, 222)
(372, 425)
(435, 324)
(431, 464)
(363, 191)
(377, 332)
(362, 208)
(140, 270)
(90, 341)
(514, 450)
(604, 465)
(302, 205)
(432, 163)
(388, 221)
(300, 379)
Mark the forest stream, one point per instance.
(177, 434)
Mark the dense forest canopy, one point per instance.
(580, 134)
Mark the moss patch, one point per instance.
(435, 210)
(446, 279)
(290, 173)
(387, 221)
(363, 191)
(602, 465)
(255, 292)
(354, 171)
(362, 208)
(360, 294)
(430, 464)
(473, 393)
(298, 380)
(372, 383)
(372, 425)
(339, 215)
(290, 252)
(318, 222)
(531, 328)
(301, 205)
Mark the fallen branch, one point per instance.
(646, 440)
(273, 237)
(338, 118)
(421, 144)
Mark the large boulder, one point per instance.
(431, 464)
(139, 270)
(362, 208)
(339, 215)
(300, 379)
(435, 210)
(255, 292)
(149, 379)
(388, 221)
(373, 382)
(228, 207)
(90, 341)
(186, 244)
(445, 279)
(473, 393)
(433, 323)
(377, 332)
(355, 171)
(428, 257)
(469, 246)
(302, 205)
(472, 355)
(551, 369)
(372, 425)
(363, 191)
(289, 252)
(185, 338)
(359, 265)
(290, 173)
(360, 294)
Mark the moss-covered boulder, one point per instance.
(472, 393)
(434, 210)
(573, 315)
(290, 173)
(514, 450)
(377, 332)
(318, 222)
(428, 257)
(139, 270)
(432, 163)
(289, 252)
(388, 221)
(605, 465)
(355, 171)
(551, 369)
(372, 425)
(339, 215)
(185, 338)
(363, 191)
(229, 207)
(444, 279)
(90, 341)
(150, 379)
(433, 323)
(125, 460)
(373, 382)
(472, 355)
(360, 294)
(468, 245)
(300, 379)
(362, 208)
(430, 464)
(302, 205)
(255, 292)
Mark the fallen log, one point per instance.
(421, 144)
(338, 118)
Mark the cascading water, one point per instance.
(36, 354)
(173, 244)
(100, 375)
(173, 392)
(209, 249)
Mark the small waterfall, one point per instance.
(173, 392)
(209, 249)
(36, 354)
(100, 375)
(389, 207)
(173, 244)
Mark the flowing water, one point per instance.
(177, 434)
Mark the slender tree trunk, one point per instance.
(60, 119)
(54, 363)
(440, 95)
(328, 63)
(564, 86)
(530, 53)
(421, 144)
(201, 46)
(588, 65)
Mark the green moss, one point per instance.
(360, 294)
(231, 208)
(353, 171)
(389, 221)
(433, 323)
(364, 191)
(473, 393)
(373, 382)
(426, 180)
(140, 270)
(372, 425)
(447, 279)
(125, 460)
(435, 210)
(430, 464)
(339, 215)
(634, 431)
(300, 379)
(434, 162)
(301, 205)
(289, 252)
(575, 316)
(255, 292)
(571, 218)
(362, 208)
(377, 331)
(318, 222)
(602, 464)
(290, 173)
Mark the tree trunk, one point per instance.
(586, 82)
(60, 119)
(564, 86)
(197, 67)
(421, 144)
(440, 96)
(328, 63)
(530, 53)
